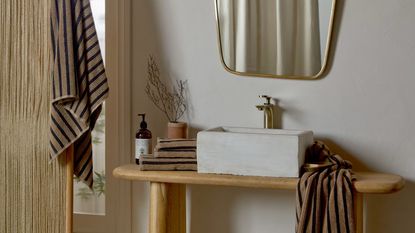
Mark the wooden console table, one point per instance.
(168, 191)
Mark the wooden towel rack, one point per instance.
(69, 189)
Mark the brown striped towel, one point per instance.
(325, 195)
(79, 84)
(175, 148)
(150, 163)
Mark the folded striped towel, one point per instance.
(150, 163)
(79, 83)
(325, 196)
(175, 148)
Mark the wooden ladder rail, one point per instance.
(69, 189)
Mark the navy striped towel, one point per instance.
(325, 196)
(79, 84)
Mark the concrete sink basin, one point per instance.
(252, 151)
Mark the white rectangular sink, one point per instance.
(252, 151)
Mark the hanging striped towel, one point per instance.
(79, 84)
(325, 196)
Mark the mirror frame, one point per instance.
(294, 77)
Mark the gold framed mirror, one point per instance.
(287, 39)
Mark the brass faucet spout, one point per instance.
(268, 110)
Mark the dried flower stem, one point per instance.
(172, 104)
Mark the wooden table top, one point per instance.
(366, 182)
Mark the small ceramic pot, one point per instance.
(177, 130)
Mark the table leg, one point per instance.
(158, 207)
(167, 208)
(358, 211)
(176, 210)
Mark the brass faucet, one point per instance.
(268, 109)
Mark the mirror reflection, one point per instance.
(274, 37)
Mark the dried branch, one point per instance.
(172, 104)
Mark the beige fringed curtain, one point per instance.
(32, 191)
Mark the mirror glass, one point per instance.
(275, 38)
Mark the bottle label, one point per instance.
(142, 147)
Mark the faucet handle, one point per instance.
(268, 98)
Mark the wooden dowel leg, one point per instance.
(167, 208)
(358, 211)
(176, 212)
(69, 189)
(158, 207)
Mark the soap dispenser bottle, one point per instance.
(142, 139)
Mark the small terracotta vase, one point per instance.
(176, 130)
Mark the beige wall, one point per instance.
(363, 108)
